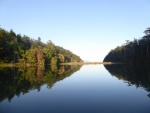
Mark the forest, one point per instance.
(15, 48)
(132, 52)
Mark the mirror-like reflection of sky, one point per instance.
(90, 90)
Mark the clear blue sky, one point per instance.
(88, 28)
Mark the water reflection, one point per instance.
(131, 74)
(14, 81)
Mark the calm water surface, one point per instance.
(89, 89)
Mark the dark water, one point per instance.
(74, 89)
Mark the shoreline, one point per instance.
(71, 63)
(86, 63)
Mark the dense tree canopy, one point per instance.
(136, 51)
(15, 48)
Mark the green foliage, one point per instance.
(136, 51)
(68, 55)
(16, 48)
(61, 58)
(54, 61)
(31, 56)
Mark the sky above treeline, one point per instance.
(88, 28)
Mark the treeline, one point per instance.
(15, 48)
(136, 51)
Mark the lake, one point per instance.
(75, 89)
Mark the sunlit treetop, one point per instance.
(147, 31)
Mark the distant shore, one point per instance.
(86, 63)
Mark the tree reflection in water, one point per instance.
(138, 75)
(14, 81)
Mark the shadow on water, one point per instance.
(16, 81)
(137, 75)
